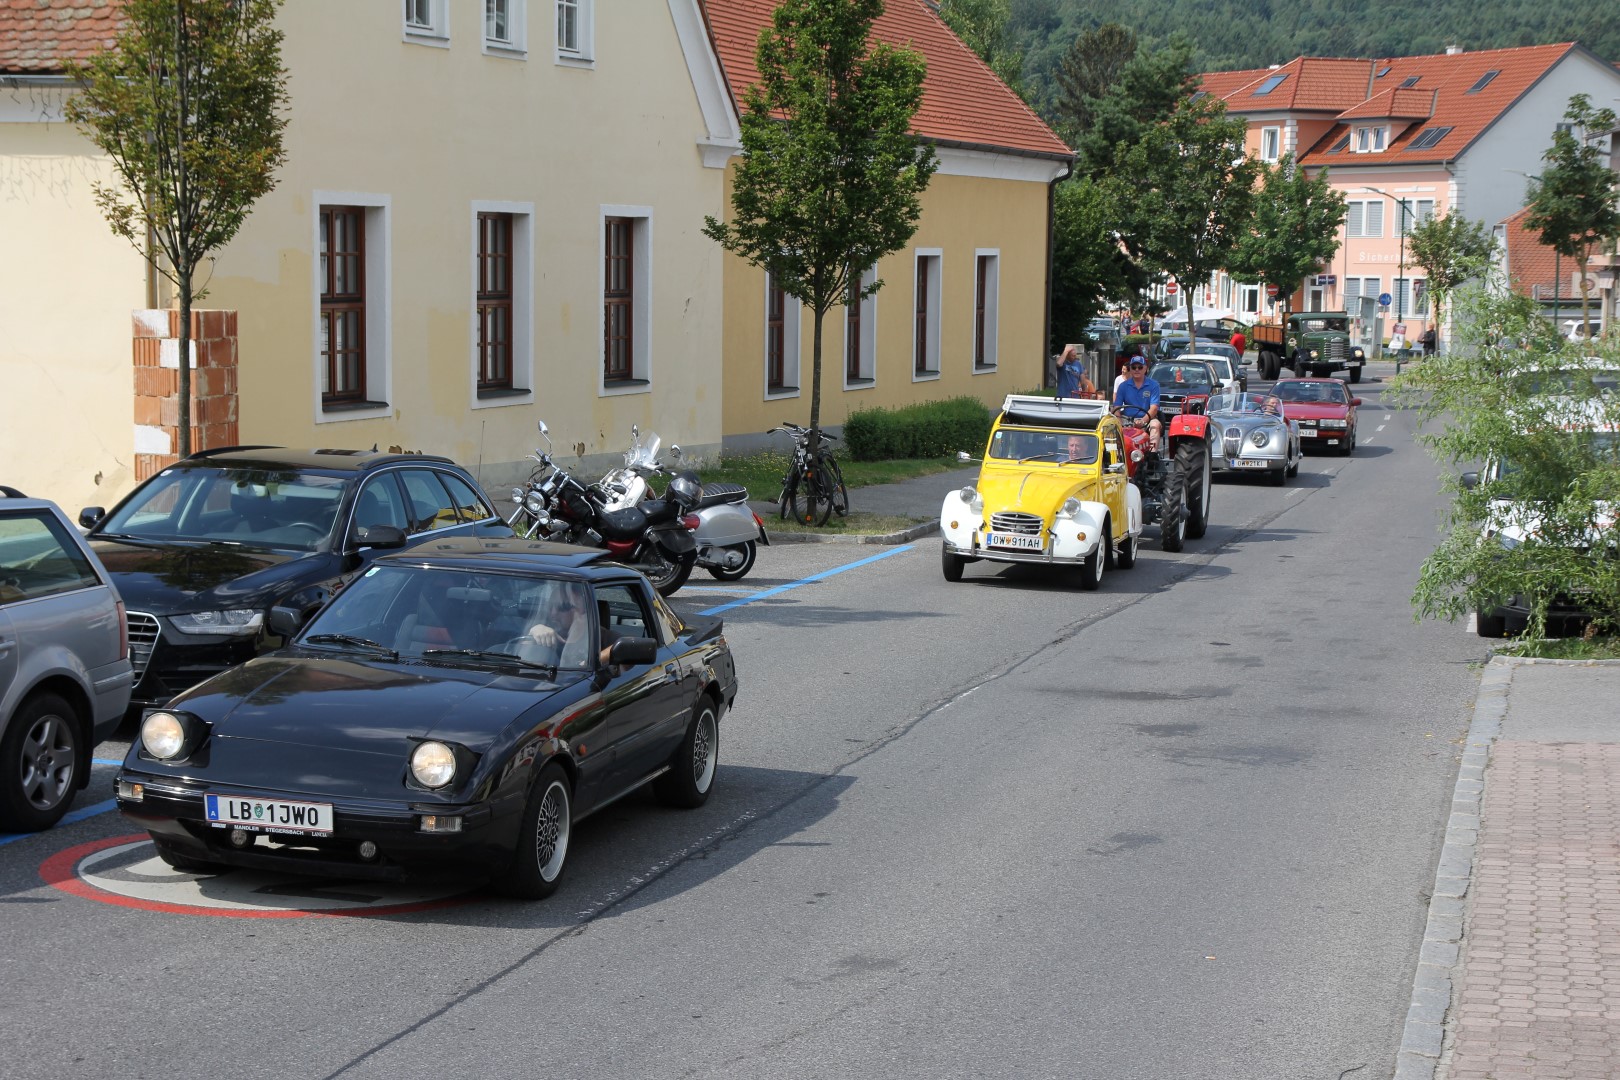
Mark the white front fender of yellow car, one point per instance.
(957, 521)
(1133, 509)
(1075, 536)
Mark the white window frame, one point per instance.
(1371, 140)
(1248, 299)
(992, 312)
(1365, 209)
(1270, 143)
(1406, 294)
(522, 305)
(379, 304)
(792, 344)
(1421, 210)
(641, 256)
(516, 44)
(1361, 287)
(435, 32)
(868, 376)
(584, 52)
(931, 364)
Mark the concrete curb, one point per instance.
(1423, 1038)
(904, 536)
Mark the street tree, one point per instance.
(1091, 270)
(189, 104)
(1187, 188)
(1574, 203)
(1450, 250)
(982, 26)
(1540, 523)
(1294, 230)
(1086, 73)
(1147, 93)
(831, 177)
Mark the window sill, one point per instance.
(429, 38)
(505, 51)
(496, 392)
(924, 376)
(984, 369)
(351, 406)
(780, 391)
(574, 61)
(859, 384)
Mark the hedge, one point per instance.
(930, 429)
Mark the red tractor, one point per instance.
(1174, 480)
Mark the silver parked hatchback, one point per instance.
(65, 676)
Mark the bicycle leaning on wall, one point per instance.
(813, 486)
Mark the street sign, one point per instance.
(1272, 290)
(1385, 299)
(1327, 279)
(1399, 328)
(1170, 288)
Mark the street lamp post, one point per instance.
(1402, 227)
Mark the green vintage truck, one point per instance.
(1315, 343)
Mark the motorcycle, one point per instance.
(728, 532)
(655, 536)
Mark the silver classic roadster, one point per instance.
(1251, 433)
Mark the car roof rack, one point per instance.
(11, 492)
(1081, 413)
(213, 450)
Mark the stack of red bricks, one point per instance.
(157, 385)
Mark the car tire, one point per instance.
(1350, 444)
(185, 864)
(1493, 625)
(1299, 457)
(541, 854)
(750, 552)
(40, 759)
(1091, 570)
(951, 564)
(1277, 477)
(1355, 374)
(692, 770)
(1193, 462)
(1125, 556)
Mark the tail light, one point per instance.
(123, 632)
(691, 522)
(757, 522)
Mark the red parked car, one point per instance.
(1325, 410)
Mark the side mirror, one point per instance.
(379, 536)
(633, 650)
(543, 429)
(1470, 480)
(675, 452)
(1355, 402)
(286, 621)
(635, 432)
(90, 515)
(963, 455)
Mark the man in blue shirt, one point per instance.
(1142, 394)
(1071, 375)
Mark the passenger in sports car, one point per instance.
(1142, 394)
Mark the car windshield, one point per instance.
(460, 616)
(1313, 393)
(1180, 378)
(1057, 447)
(1318, 326)
(1222, 366)
(1240, 403)
(1576, 381)
(254, 507)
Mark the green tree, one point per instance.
(1090, 267)
(982, 26)
(1089, 69)
(830, 178)
(1150, 88)
(1450, 250)
(1541, 522)
(1574, 204)
(1187, 187)
(1294, 230)
(189, 104)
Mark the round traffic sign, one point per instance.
(1170, 288)
(1272, 290)
(1385, 299)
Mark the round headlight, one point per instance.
(163, 735)
(1314, 354)
(535, 503)
(1259, 438)
(1070, 507)
(433, 764)
(517, 495)
(968, 494)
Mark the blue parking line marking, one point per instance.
(67, 819)
(806, 581)
(106, 761)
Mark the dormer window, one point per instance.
(1484, 81)
(1371, 140)
(1269, 85)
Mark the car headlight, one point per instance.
(433, 764)
(1357, 353)
(1069, 508)
(970, 496)
(1314, 354)
(163, 735)
(238, 622)
(1259, 438)
(1340, 424)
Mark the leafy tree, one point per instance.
(1543, 526)
(982, 26)
(830, 176)
(1188, 189)
(1450, 250)
(1294, 230)
(1090, 68)
(190, 105)
(1574, 204)
(1090, 268)
(1148, 91)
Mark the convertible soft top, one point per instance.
(1083, 414)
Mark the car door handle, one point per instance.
(672, 673)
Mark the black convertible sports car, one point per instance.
(455, 708)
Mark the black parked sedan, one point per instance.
(203, 550)
(454, 709)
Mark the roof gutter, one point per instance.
(989, 148)
(1051, 244)
(15, 79)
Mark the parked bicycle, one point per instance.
(813, 486)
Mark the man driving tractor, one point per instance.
(1137, 401)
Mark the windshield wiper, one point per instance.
(481, 654)
(349, 639)
(1047, 453)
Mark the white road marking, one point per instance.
(1291, 492)
(1381, 427)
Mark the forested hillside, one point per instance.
(1256, 33)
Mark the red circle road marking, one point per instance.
(61, 871)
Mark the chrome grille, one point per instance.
(143, 636)
(1009, 521)
(1336, 349)
(1234, 442)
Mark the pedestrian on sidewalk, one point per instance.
(1427, 339)
(1239, 342)
(1071, 375)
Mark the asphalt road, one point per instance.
(1180, 827)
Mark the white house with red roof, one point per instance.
(1405, 139)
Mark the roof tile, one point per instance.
(38, 37)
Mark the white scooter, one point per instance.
(728, 532)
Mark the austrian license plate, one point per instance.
(1251, 463)
(269, 815)
(1022, 541)
(1307, 433)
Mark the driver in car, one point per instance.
(1141, 395)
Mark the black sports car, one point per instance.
(455, 708)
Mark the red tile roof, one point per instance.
(963, 100)
(1222, 83)
(1532, 265)
(1394, 104)
(37, 36)
(1309, 84)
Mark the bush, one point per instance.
(929, 429)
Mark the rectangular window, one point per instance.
(494, 301)
(926, 316)
(1364, 219)
(1355, 288)
(1370, 140)
(1248, 298)
(1428, 137)
(343, 304)
(860, 333)
(986, 302)
(427, 22)
(1271, 83)
(505, 27)
(618, 294)
(575, 30)
(1413, 213)
(1484, 81)
(1411, 296)
(1270, 143)
(781, 340)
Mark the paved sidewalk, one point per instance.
(1535, 988)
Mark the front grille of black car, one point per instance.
(1010, 521)
(143, 636)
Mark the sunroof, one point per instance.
(1340, 145)
(1411, 80)
(1484, 81)
(1269, 85)
(1428, 137)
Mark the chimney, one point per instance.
(1453, 50)
(1273, 67)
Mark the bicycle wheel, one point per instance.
(820, 494)
(839, 493)
(799, 502)
(785, 501)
